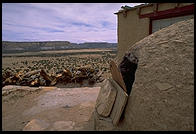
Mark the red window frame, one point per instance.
(175, 12)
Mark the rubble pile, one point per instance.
(40, 77)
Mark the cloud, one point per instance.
(74, 22)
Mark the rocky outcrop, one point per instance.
(162, 95)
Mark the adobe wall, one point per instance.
(162, 96)
(132, 29)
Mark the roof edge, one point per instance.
(135, 7)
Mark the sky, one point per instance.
(74, 22)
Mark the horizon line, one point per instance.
(63, 41)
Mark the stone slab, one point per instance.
(12, 88)
(119, 105)
(116, 75)
(106, 98)
(102, 123)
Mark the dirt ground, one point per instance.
(54, 106)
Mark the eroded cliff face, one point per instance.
(162, 95)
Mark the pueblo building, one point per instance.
(135, 23)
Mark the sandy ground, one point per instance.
(51, 106)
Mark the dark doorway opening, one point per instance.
(128, 68)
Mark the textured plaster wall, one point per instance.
(130, 30)
(162, 96)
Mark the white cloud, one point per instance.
(75, 22)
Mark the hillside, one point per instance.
(17, 47)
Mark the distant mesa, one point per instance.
(17, 47)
